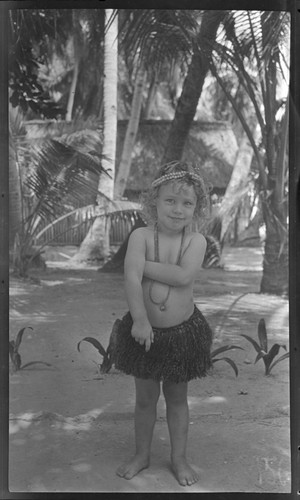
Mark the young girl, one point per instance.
(164, 337)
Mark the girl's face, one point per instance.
(176, 203)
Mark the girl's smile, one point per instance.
(176, 204)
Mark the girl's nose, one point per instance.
(177, 208)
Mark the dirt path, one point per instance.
(70, 427)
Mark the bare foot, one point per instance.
(185, 475)
(133, 467)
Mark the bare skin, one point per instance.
(178, 421)
(175, 210)
(147, 394)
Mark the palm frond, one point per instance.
(157, 35)
(64, 171)
(116, 211)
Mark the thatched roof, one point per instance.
(212, 144)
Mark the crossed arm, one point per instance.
(136, 266)
(183, 274)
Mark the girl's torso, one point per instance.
(179, 306)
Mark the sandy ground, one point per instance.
(71, 427)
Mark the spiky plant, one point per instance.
(225, 348)
(107, 354)
(261, 348)
(14, 352)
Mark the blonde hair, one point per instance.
(177, 172)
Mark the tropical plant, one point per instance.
(97, 240)
(29, 32)
(160, 35)
(107, 354)
(225, 348)
(56, 61)
(15, 357)
(152, 43)
(58, 173)
(254, 47)
(261, 348)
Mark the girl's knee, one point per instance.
(147, 393)
(175, 393)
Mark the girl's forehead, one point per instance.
(177, 188)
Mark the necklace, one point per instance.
(162, 304)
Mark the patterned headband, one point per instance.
(175, 175)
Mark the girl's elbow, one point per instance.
(184, 280)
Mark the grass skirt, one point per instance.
(178, 354)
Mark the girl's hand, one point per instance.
(142, 332)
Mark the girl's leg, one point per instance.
(147, 394)
(178, 422)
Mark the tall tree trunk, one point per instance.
(132, 128)
(274, 206)
(96, 244)
(192, 87)
(250, 235)
(72, 91)
(76, 52)
(237, 184)
(151, 96)
(275, 262)
(15, 196)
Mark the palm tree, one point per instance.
(77, 60)
(154, 38)
(253, 46)
(58, 170)
(131, 131)
(96, 244)
(193, 83)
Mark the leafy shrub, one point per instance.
(225, 348)
(14, 352)
(107, 354)
(262, 348)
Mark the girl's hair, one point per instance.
(179, 172)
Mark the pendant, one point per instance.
(162, 307)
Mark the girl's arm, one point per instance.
(184, 273)
(133, 270)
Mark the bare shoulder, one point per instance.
(197, 239)
(140, 236)
(141, 233)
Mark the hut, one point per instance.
(211, 144)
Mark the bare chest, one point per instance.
(165, 250)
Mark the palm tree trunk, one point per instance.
(76, 51)
(192, 87)
(96, 244)
(237, 184)
(151, 97)
(132, 128)
(15, 197)
(72, 92)
(275, 262)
